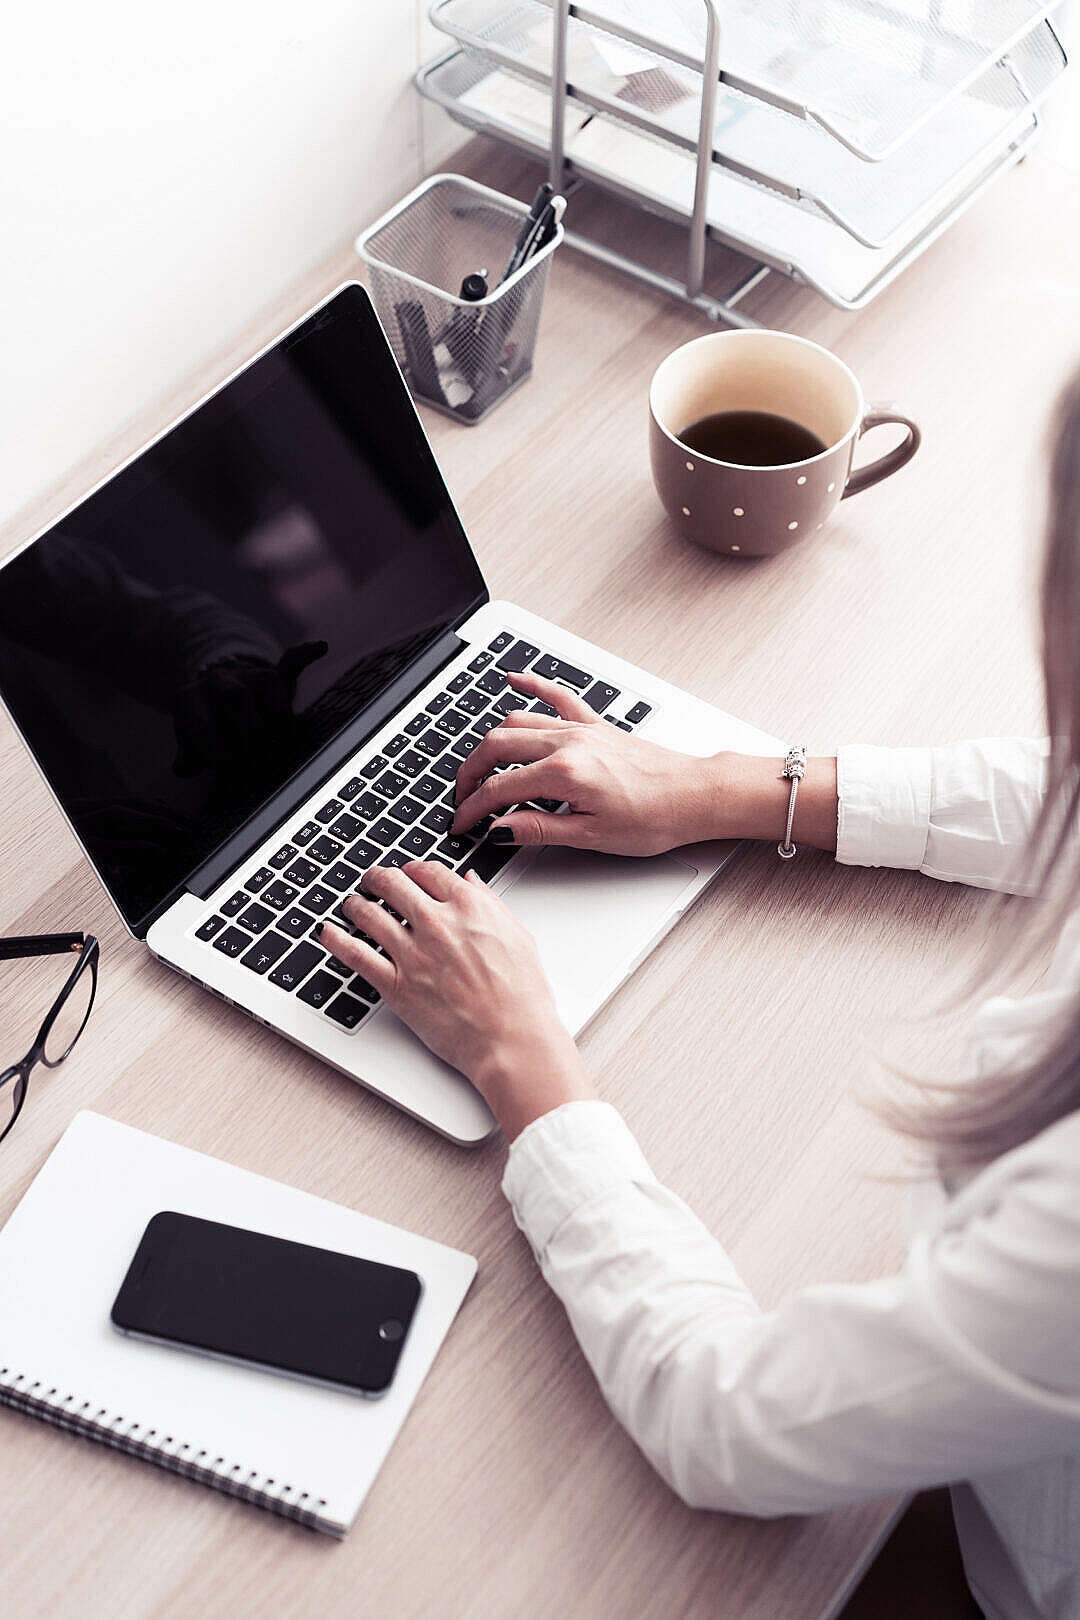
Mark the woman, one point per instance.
(966, 1365)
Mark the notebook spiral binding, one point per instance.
(81, 1417)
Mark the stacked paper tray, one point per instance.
(789, 234)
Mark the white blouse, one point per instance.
(964, 1367)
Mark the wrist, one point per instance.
(745, 796)
(521, 1078)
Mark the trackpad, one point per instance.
(592, 916)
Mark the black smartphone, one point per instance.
(242, 1296)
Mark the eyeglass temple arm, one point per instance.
(18, 945)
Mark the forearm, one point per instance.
(744, 796)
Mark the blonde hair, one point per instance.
(968, 1125)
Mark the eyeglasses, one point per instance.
(64, 1021)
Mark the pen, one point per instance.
(539, 203)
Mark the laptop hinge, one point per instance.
(229, 855)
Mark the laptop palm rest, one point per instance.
(593, 916)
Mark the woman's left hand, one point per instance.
(466, 977)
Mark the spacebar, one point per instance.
(488, 860)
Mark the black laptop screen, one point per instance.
(199, 628)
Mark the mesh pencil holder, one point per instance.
(462, 357)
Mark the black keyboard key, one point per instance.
(398, 859)
(294, 923)
(440, 818)
(473, 702)
(391, 784)
(319, 988)
(465, 745)
(492, 681)
(611, 720)
(416, 842)
(341, 877)
(503, 639)
(437, 860)
(362, 853)
(416, 725)
(265, 952)
(411, 762)
(447, 767)
(481, 829)
(383, 832)
(637, 714)
(346, 828)
(361, 987)
(438, 703)
(557, 669)
(283, 856)
(209, 928)
(406, 810)
(329, 810)
(304, 834)
(460, 681)
(428, 789)
(623, 725)
(279, 894)
(236, 902)
(452, 723)
(258, 880)
(600, 695)
(507, 705)
(335, 965)
(488, 860)
(368, 806)
(347, 1011)
(481, 661)
(521, 654)
(374, 766)
(255, 918)
(432, 742)
(455, 848)
(296, 966)
(317, 900)
(351, 788)
(550, 805)
(486, 723)
(545, 708)
(232, 942)
(325, 849)
(396, 744)
(302, 872)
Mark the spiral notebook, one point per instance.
(303, 1451)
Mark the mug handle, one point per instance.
(893, 460)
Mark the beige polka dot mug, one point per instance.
(753, 511)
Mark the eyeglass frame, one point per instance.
(21, 946)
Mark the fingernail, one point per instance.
(316, 932)
(501, 835)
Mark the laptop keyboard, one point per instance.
(395, 808)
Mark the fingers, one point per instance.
(379, 971)
(538, 827)
(391, 884)
(540, 781)
(435, 879)
(375, 921)
(562, 700)
(505, 745)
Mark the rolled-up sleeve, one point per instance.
(963, 812)
(845, 1392)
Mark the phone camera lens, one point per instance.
(391, 1331)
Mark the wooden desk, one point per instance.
(512, 1494)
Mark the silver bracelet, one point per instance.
(794, 770)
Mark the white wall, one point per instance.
(166, 171)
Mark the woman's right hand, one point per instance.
(625, 795)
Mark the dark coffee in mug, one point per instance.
(751, 439)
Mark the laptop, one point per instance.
(249, 665)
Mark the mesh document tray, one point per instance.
(660, 178)
(459, 355)
(874, 203)
(871, 72)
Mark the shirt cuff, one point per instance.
(884, 810)
(565, 1159)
